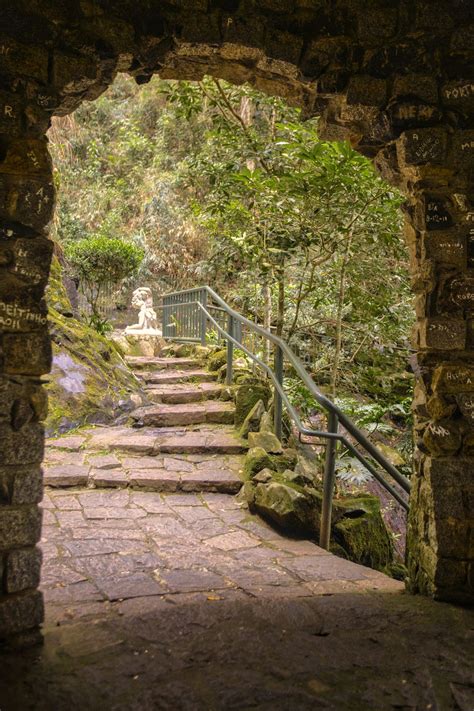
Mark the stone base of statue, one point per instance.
(148, 342)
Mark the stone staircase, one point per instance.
(183, 441)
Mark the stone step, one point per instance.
(180, 393)
(152, 363)
(193, 473)
(195, 413)
(178, 376)
(219, 439)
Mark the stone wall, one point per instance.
(394, 78)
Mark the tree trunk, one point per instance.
(339, 314)
(267, 318)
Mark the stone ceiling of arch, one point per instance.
(354, 62)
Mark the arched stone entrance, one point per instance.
(393, 79)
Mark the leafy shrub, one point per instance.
(98, 261)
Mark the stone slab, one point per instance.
(66, 475)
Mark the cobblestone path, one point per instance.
(116, 545)
(164, 594)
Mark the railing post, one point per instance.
(203, 301)
(277, 401)
(328, 484)
(230, 351)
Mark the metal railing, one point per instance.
(186, 318)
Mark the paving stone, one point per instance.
(67, 503)
(57, 571)
(178, 465)
(109, 512)
(316, 568)
(160, 415)
(78, 592)
(208, 527)
(150, 502)
(49, 519)
(151, 363)
(70, 518)
(174, 500)
(109, 477)
(145, 462)
(184, 392)
(55, 457)
(133, 585)
(71, 442)
(100, 547)
(220, 502)
(192, 514)
(66, 475)
(95, 499)
(177, 376)
(233, 541)
(165, 526)
(220, 481)
(103, 461)
(203, 441)
(155, 479)
(191, 580)
(90, 532)
(47, 502)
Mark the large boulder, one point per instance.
(287, 506)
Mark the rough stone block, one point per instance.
(28, 201)
(367, 90)
(26, 157)
(27, 485)
(10, 114)
(459, 95)
(27, 353)
(442, 334)
(437, 213)
(453, 379)
(23, 447)
(19, 526)
(323, 52)
(73, 74)
(422, 146)
(407, 114)
(457, 294)
(463, 150)
(22, 314)
(442, 438)
(416, 86)
(446, 248)
(23, 569)
(19, 612)
(26, 60)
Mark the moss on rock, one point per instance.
(247, 395)
(89, 381)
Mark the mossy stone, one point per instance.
(287, 506)
(252, 421)
(256, 460)
(247, 395)
(217, 360)
(267, 441)
(363, 534)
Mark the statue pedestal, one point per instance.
(147, 342)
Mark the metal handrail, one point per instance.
(335, 415)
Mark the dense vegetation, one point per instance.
(223, 185)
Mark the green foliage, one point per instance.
(103, 260)
(224, 185)
(99, 261)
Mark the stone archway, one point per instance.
(393, 80)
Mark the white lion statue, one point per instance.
(142, 299)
